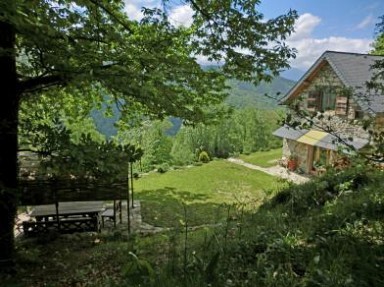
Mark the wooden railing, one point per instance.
(39, 191)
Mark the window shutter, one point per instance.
(341, 105)
(314, 101)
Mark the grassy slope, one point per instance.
(263, 158)
(205, 190)
(328, 232)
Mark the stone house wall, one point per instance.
(327, 77)
(332, 121)
(291, 147)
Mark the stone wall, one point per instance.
(327, 77)
(332, 122)
(28, 164)
(291, 147)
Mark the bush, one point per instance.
(204, 157)
(163, 168)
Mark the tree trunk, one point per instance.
(9, 106)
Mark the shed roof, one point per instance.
(320, 138)
(289, 132)
(354, 70)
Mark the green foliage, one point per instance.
(149, 67)
(163, 168)
(104, 160)
(43, 118)
(378, 44)
(152, 139)
(262, 96)
(67, 141)
(245, 131)
(183, 148)
(138, 271)
(241, 95)
(204, 157)
(317, 193)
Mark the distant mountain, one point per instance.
(263, 96)
(293, 74)
(241, 95)
(106, 124)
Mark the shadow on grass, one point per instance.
(168, 207)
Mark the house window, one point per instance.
(314, 101)
(322, 99)
(359, 114)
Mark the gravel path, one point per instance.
(274, 170)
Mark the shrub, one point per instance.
(204, 157)
(163, 168)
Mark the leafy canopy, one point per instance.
(378, 44)
(148, 66)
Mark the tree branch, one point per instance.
(112, 14)
(41, 82)
(201, 11)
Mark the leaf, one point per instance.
(316, 259)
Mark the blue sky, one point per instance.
(348, 18)
(339, 25)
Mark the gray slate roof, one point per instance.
(354, 70)
(289, 133)
(329, 142)
(332, 142)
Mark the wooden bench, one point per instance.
(64, 225)
(111, 213)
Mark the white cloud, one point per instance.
(133, 7)
(181, 16)
(366, 22)
(310, 48)
(133, 12)
(305, 25)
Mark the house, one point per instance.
(333, 96)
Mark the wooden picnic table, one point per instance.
(82, 208)
(66, 217)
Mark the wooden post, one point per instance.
(128, 204)
(54, 186)
(310, 158)
(133, 205)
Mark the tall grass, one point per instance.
(328, 232)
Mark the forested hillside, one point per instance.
(263, 96)
(168, 143)
(241, 95)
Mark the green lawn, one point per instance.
(263, 158)
(204, 193)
